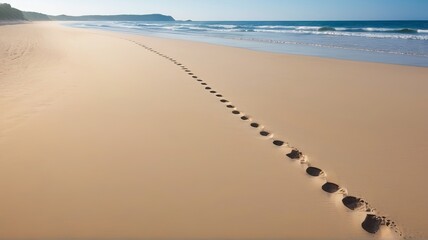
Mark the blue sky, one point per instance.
(239, 9)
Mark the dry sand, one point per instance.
(101, 138)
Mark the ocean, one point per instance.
(394, 42)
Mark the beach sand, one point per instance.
(101, 138)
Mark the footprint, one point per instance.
(294, 154)
(199, 80)
(254, 125)
(194, 77)
(352, 202)
(224, 101)
(219, 95)
(372, 223)
(204, 84)
(314, 172)
(330, 187)
(213, 92)
(208, 88)
(278, 143)
(245, 118)
(264, 133)
(236, 112)
(230, 106)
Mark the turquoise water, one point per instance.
(395, 42)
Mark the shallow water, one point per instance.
(396, 42)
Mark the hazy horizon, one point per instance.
(239, 10)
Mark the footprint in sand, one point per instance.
(314, 172)
(264, 133)
(372, 223)
(353, 203)
(295, 154)
(330, 187)
(254, 125)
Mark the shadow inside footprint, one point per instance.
(194, 77)
(264, 133)
(313, 171)
(352, 202)
(208, 88)
(219, 95)
(245, 118)
(235, 112)
(278, 143)
(254, 125)
(372, 223)
(199, 80)
(204, 84)
(213, 92)
(294, 154)
(330, 187)
(224, 101)
(230, 106)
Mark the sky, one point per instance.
(238, 9)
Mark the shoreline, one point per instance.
(292, 46)
(2, 23)
(296, 106)
(242, 48)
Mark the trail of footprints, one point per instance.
(371, 223)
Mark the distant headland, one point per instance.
(8, 13)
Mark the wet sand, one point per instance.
(106, 135)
